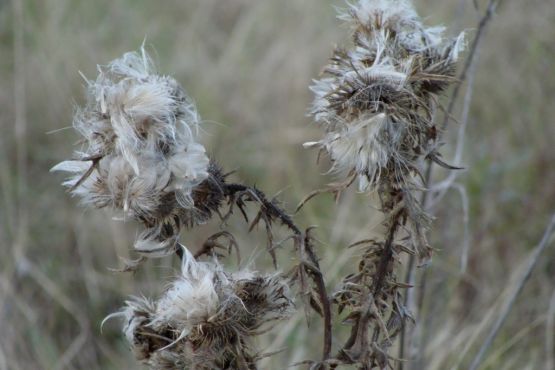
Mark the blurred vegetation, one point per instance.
(248, 64)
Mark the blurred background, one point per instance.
(248, 65)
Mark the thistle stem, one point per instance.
(322, 292)
(360, 329)
(272, 210)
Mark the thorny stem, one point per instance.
(484, 20)
(272, 210)
(360, 329)
(387, 254)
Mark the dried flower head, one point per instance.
(139, 151)
(206, 319)
(376, 99)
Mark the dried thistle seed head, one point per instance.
(206, 318)
(375, 100)
(139, 152)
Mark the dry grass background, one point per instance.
(248, 64)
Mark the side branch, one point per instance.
(271, 211)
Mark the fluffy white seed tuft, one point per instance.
(375, 99)
(139, 152)
(206, 318)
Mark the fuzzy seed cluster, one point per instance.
(206, 319)
(376, 99)
(139, 152)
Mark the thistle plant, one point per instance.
(376, 102)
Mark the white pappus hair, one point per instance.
(139, 145)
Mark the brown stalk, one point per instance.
(322, 292)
